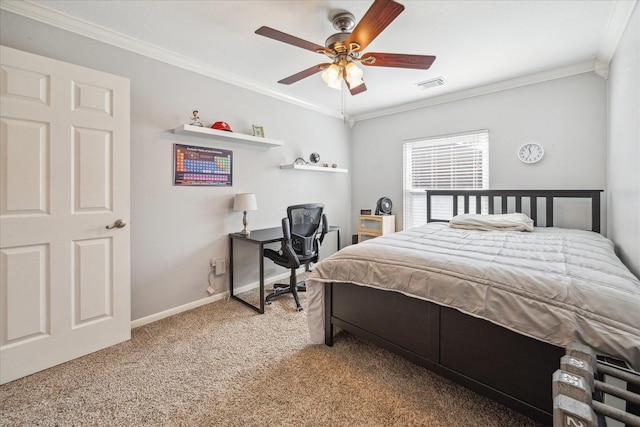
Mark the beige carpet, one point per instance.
(224, 365)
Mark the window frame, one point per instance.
(464, 149)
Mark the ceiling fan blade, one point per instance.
(397, 60)
(354, 90)
(303, 74)
(375, 20)
(287, 38)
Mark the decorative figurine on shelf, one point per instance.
(299, 161)
(195, 120)
(314, 158)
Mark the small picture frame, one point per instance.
(258, 131)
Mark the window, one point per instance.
(446, 162)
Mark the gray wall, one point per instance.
(624, 146)
(176, 230)
(566, 116)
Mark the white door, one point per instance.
(64, 177)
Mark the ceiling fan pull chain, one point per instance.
(344, 105)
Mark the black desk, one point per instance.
(260, 238)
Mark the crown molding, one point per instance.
(77, 26)
(616, 25)
(557, 73)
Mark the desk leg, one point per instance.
(231, 267)
(261, 255)
(231, 279)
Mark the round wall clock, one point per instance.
(531, 152)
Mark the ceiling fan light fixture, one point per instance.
(331, 76)
(337, 85)
(354, 75)
(353, 72)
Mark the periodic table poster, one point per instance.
(202, 166)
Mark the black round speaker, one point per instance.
(384, 206)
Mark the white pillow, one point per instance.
(503, 222)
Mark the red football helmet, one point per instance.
(221, 126)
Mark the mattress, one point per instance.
(553, 284)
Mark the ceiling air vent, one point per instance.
(427, 84)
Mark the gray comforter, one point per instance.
(556, 285)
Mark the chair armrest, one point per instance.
(325, 227)
(287, 248)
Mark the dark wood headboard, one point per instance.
(503, 197)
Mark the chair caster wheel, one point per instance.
(299, 309)
(268, 302)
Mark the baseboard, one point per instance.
(208, 300)
(176, 310)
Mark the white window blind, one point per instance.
(458, 161)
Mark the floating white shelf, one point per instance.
(314, 168)
(228, 136)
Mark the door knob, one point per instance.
(118, 224)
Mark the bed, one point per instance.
(491, 310)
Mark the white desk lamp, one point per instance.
(245, 202)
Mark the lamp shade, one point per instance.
(245, 202)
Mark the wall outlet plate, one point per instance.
(221, 267)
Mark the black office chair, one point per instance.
(303, 229)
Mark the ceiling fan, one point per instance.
(344, 49)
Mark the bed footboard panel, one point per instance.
(407, 322)
(508, 367)
(518, 366)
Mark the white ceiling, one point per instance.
(479, 46)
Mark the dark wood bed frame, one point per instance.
(510, 368)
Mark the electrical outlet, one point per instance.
(220, 267)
